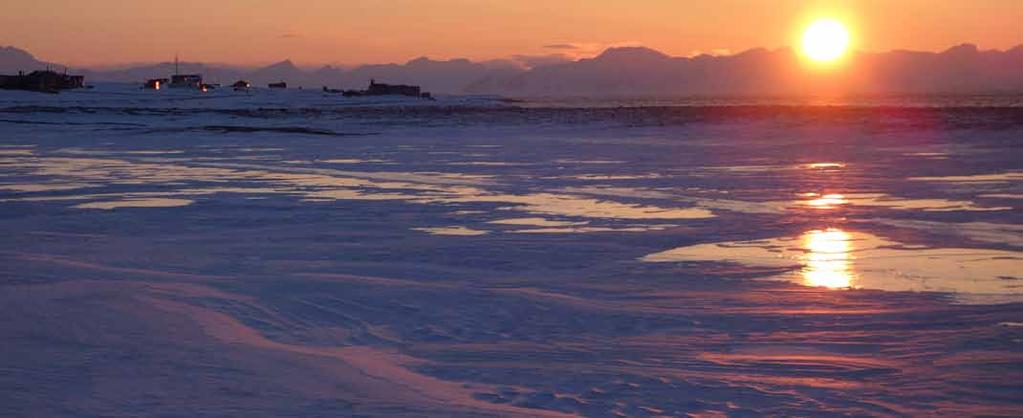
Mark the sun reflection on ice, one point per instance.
(835, 258)
(827, 262)
(825, 166)
(826, 201)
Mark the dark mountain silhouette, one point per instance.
(281, 71)
(634, 71)
(642, 71)
(960, 69)
(631, 55)
(13, 60)
(327, 75)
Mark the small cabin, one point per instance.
(380, 89)
(191, 81)
(241, 85)
(45, 81)
(155, 83)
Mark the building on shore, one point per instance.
(155, 83)
(185, 81)
(381, 89)
(42, 81)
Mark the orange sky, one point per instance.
(312, 32)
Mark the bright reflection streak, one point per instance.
(828, 201)
(825, 165)
(839, 259)
(827, 262)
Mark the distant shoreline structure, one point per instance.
(634, 71)
(195, 82)
(45, 81)
(177, 80)
(381, 89)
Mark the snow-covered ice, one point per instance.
(295, 253)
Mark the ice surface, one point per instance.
(291, 253)
(839, 259)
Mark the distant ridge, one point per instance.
(642, 71)
(632, 71)
(281, 71)
(14, 59)
(631, 54)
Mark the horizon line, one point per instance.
(511, 59)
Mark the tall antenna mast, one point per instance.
(176, 71)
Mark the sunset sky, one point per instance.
(313, 32)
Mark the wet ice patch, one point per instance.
(582, 161)
(579, 206)
(594, 229)
(614, 177)
(44, 187)
(452, 230)
(835, 258)
(113, 152)
(631, 192)
(154, 202)
(540, 222)
(758, 169)
(1012, 196)
(489, 163)
(928, 155)
(327, 184)
(824, 165)
(1006, 234)
(834, 200)
(743, 206)
(355, 161)
(1006, 177)
(831, 201)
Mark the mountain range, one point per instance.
(760, 72)
(635, 71)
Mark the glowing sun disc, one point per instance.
(825, 40)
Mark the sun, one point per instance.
(825, 40)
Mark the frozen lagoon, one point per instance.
(290, 253)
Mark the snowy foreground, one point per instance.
(290, 253)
